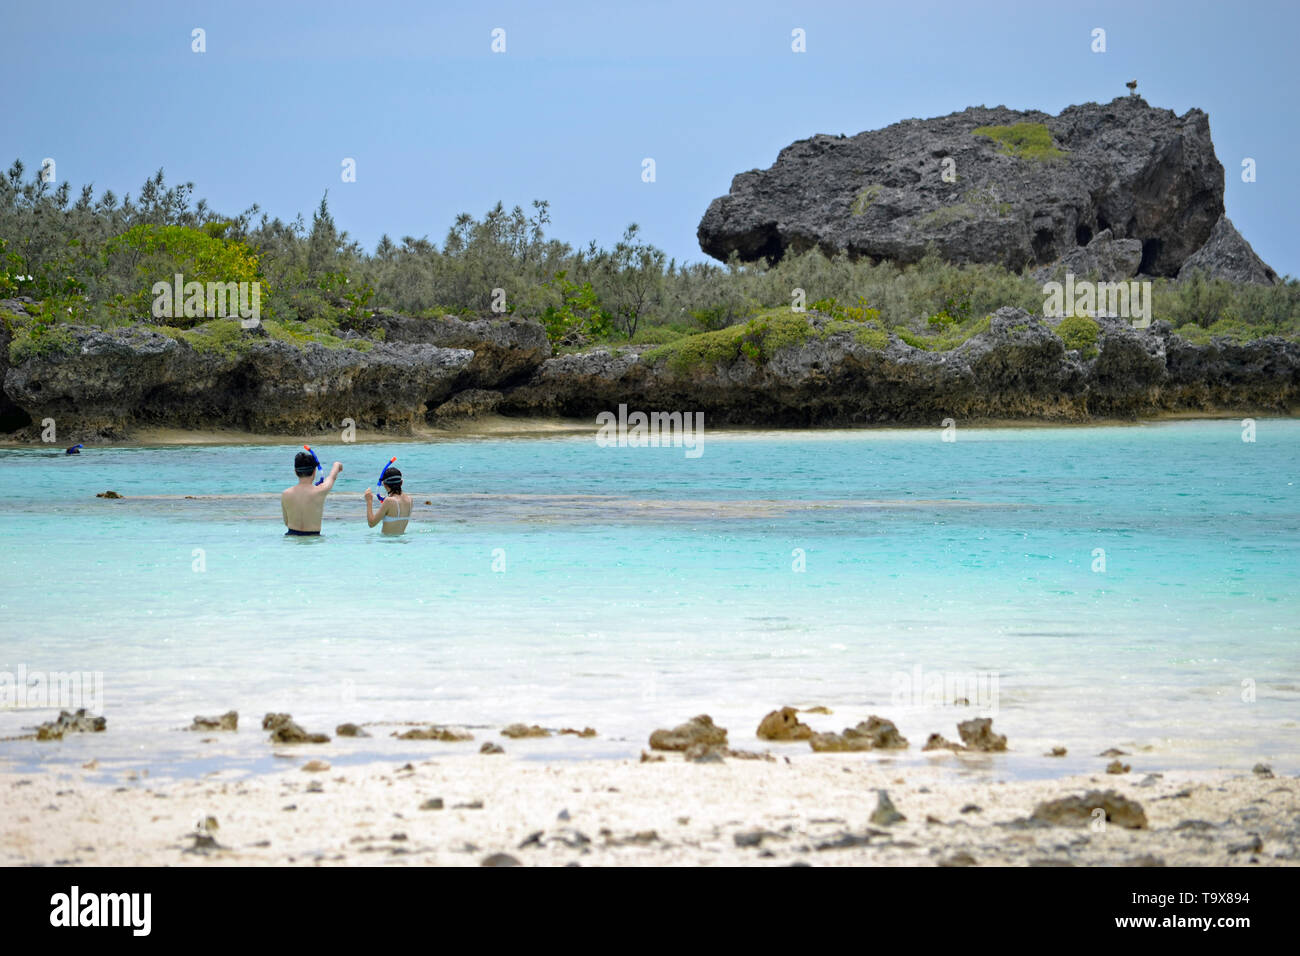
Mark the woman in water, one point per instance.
(396, 508)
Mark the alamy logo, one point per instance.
(103, 909)
(934, 690)
(1118, 300)
(66, 690)
(655, 430)
(212, 300)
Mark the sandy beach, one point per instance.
(804, 809)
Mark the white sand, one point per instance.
(684, 814)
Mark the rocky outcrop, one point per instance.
(1019, 369)
(977, 734)
(12, 416)
(70, 723)
(697, 730)
(1079, 810)
(874, 733)
(783, 724)
(524, 730)
(227, 721)
(285, 731)
(444, 734)
(469, 404)
(1146, 174)
(1227, 255)
(503, 349)
(113, 380)
(1106, 257)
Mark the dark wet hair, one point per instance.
(393, 481)
(303, 464)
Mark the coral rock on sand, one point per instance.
(584, 732)
(350, 730)
(315, 766)
(435, 733)
(783, 724)
(285, 731)
(940, 742)
(819, 709)
(67, 723)
(1078, 810)
(874, 733)
(647, 757)
(1056, 752)
(490, 748)
(1116, 767)
(715, 753)
(523, 730)
(227, 721)
(500, 859)
(885, 814)
(977, 734)
(698, 730)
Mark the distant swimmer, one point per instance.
(304, 503)
(75, 449)
(395, 509)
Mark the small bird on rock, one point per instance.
(1132, 87)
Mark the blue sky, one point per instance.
(438, 124)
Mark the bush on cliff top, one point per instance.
(1023, 141)
(757, 340)
(44, 334)
(226, 337)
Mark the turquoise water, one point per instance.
(635, 587)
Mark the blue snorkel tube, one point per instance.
(320, 469)
(379, 483)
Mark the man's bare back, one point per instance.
(304, 503)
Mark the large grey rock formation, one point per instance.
(1227, 255)
(503, 349)
(111, 381)
(1111, 259)
(1145, 174)
(1019, 369)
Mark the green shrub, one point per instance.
(876, 339)
(659, 335)
(862, 202)
(1079, 332)
(1032, 141)
(46, 333)
(579, 311)
(151, 254)
(757, 340)
(861, 312)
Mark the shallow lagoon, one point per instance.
(634, 587)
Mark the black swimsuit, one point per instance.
(304, 534)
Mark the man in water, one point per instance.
(304, 503)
